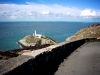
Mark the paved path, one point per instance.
(84, 61)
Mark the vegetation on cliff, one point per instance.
(92, 31)
(30, 40)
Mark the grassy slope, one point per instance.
(89, 32)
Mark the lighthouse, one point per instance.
(36, 35)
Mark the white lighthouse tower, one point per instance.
(36, 35)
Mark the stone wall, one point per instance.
(40, 62)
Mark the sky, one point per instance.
(50, 10)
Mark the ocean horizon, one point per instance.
(12, 32)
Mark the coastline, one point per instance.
(40, 43)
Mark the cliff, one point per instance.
(92, 31)
(33, 41)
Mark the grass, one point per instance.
(45, 37)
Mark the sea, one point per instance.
(12, 32)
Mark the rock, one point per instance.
(92, 31)
(98, 38)
(30, 40)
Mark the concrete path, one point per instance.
(84, 61)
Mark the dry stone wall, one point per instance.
(40, 62)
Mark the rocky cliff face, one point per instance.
(32, 41)
(92, 31)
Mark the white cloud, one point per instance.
(88, 12)
(40, 11)
(45, 12)
(30, 14)
(12, 17)
(38, 8)
(68, 13)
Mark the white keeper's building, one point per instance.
(37, 35)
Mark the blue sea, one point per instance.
(12, 32)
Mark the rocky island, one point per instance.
(35, 39)
(92, 31)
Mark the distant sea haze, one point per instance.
(12, 32)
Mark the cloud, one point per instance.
(88, 12)
(33, 11)
(12, 17)
(68, 13)
(45, 12)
